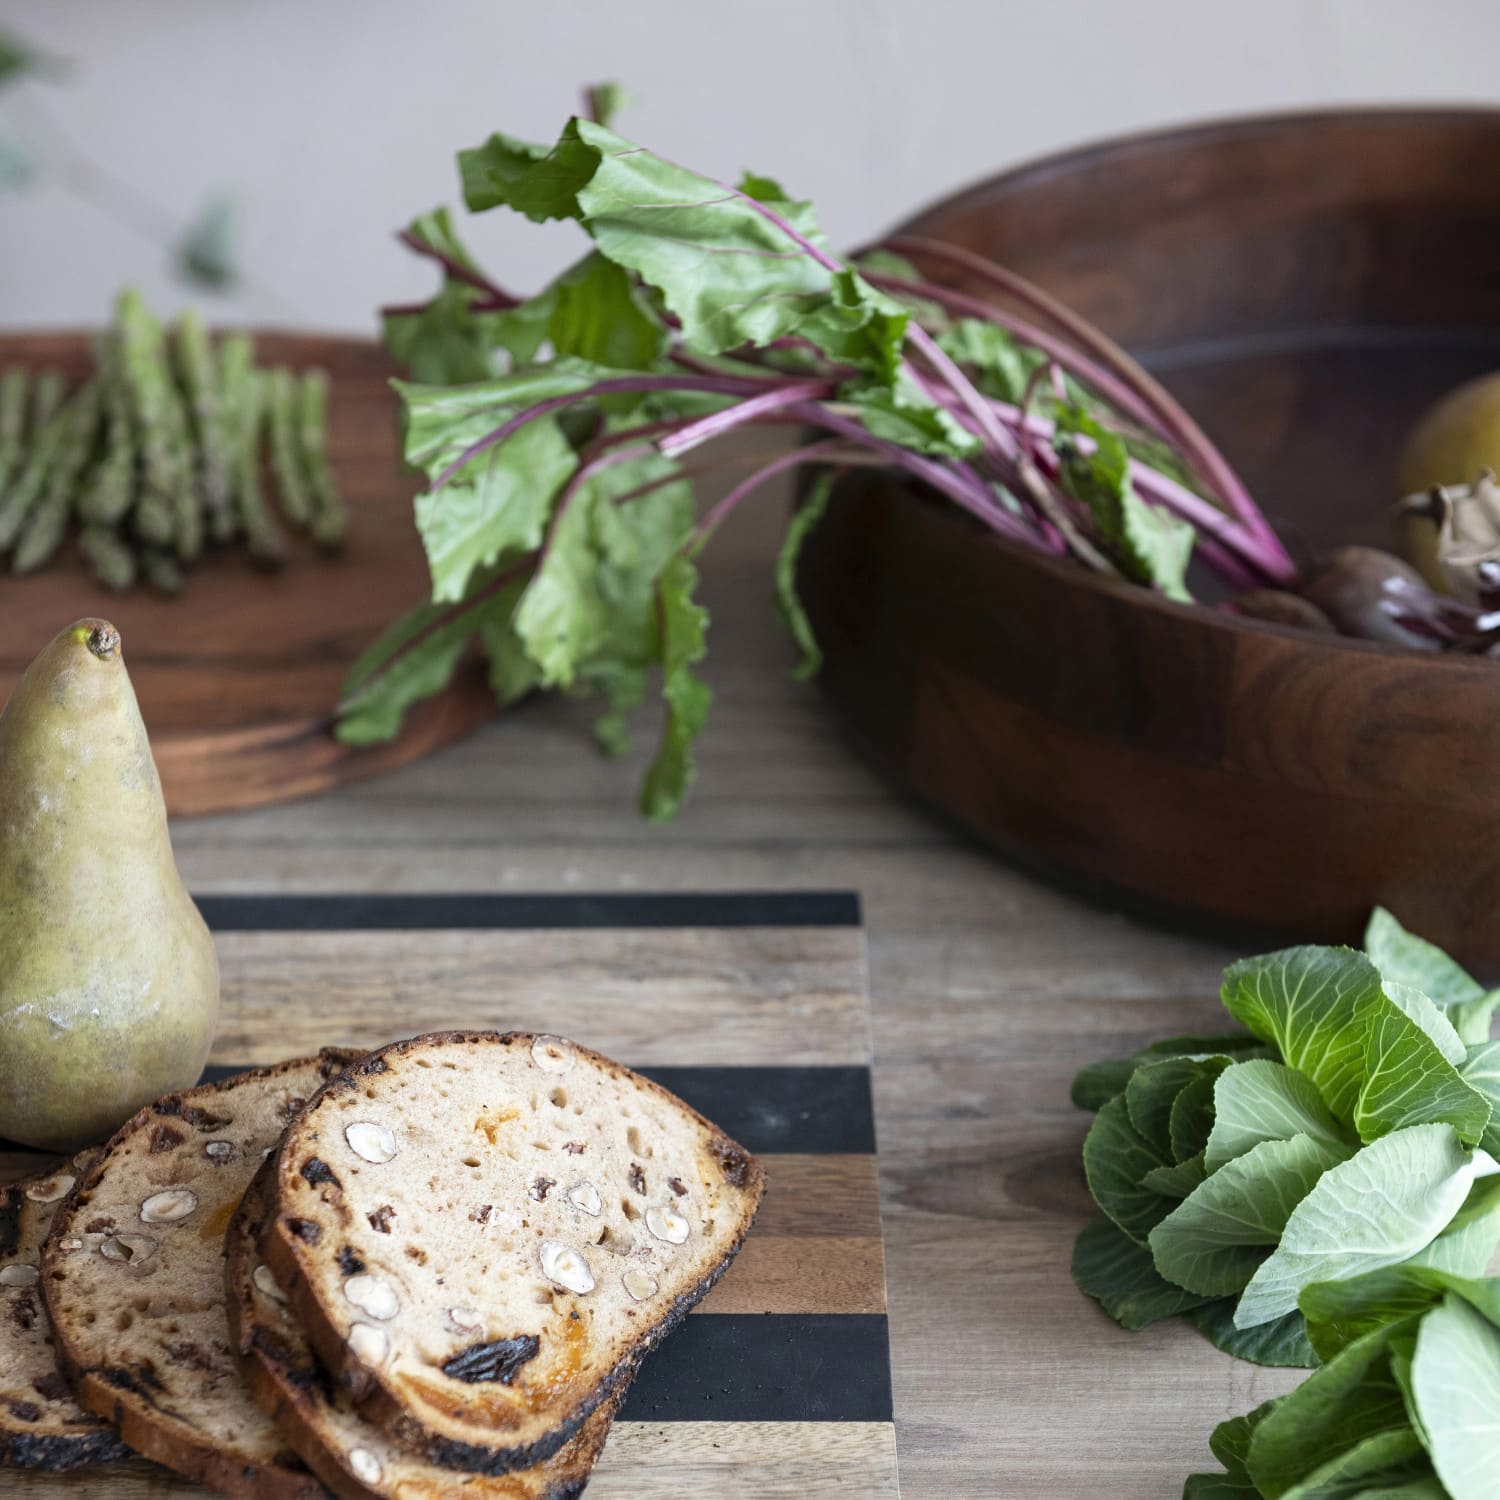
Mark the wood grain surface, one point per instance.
(238, 677)
(988, 991)
(1307, 286)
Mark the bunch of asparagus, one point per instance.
(159, 452)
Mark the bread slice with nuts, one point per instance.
(133, 1276)
(347, 1452)
(483, 1235)
(41, 1425)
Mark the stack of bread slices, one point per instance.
(402, 1274)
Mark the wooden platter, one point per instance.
(753, 1008)
(237, 677)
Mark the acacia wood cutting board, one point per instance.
(238, 677)
(753, 1008)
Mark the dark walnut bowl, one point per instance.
(1305, 285)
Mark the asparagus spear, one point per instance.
(162, 571)
(161, 426)
(15, 386)
(154, 520)
(111, 490)
(46, 396)
(286, 462)
(200, 379)
(48, 521)
(109, 556)
(49, 435)
(329, 518)
(244, 394)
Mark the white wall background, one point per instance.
(333, 121)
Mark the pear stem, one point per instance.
(104, 640)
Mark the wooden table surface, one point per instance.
(988, 991)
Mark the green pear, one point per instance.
(109, 983)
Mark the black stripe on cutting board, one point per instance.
(771, 1111)
(770, 1367)
(364, 913)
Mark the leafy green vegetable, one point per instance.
(1261, 1100)
(1306, 1002)
(809, 513)
(1152, 547)
(1456, 1384)
(1216, 1240)
(698, 309)
(1282, 1344)
(1119, 1274)
(1116, 1159)
(1332, 1139)
(1402, 1190)
(1404, 958)
(683, 625)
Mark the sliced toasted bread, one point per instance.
(484, 1234)
(348, 1453)
(133, 1277)
(41, 1425)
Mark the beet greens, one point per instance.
(559, 519)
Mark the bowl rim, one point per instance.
(1157, 138)
(1213, 128)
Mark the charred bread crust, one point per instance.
(290, 1391)
(22, 1446)
(281, 1247)
(146, 1422)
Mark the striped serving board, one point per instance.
(752, 1007)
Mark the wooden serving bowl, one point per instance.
(1306, 285)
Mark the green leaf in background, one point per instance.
(1467, 1245)
(512, 673)
(898, 412)
(807, 515)
(1151, 546)
(1115, 1160)
(382, 686)
(1178, 1180)
(1282, 1344)
(444, 422)
(1335, 1417)
(1401, 1191)
(208, 253)
(1455, 1378)
(447, 342)
(539, 181)
(1404, 958)
(1341, 1312)
(1408, 1079)
(1260, 1100)
(1216, 1239)
(1193, 1115)
(597, 314)
(595, 590)
(1306, 1002)
(606, 100)
(17, 59)
(684, 625)
(1001, 366)
(858, 326)
(1098, 1083)
(1118, 1273)
(498, 504)
(1218, 1487)
(1152, 1092)
(1481, 1071)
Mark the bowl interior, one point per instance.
(1306, 285)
